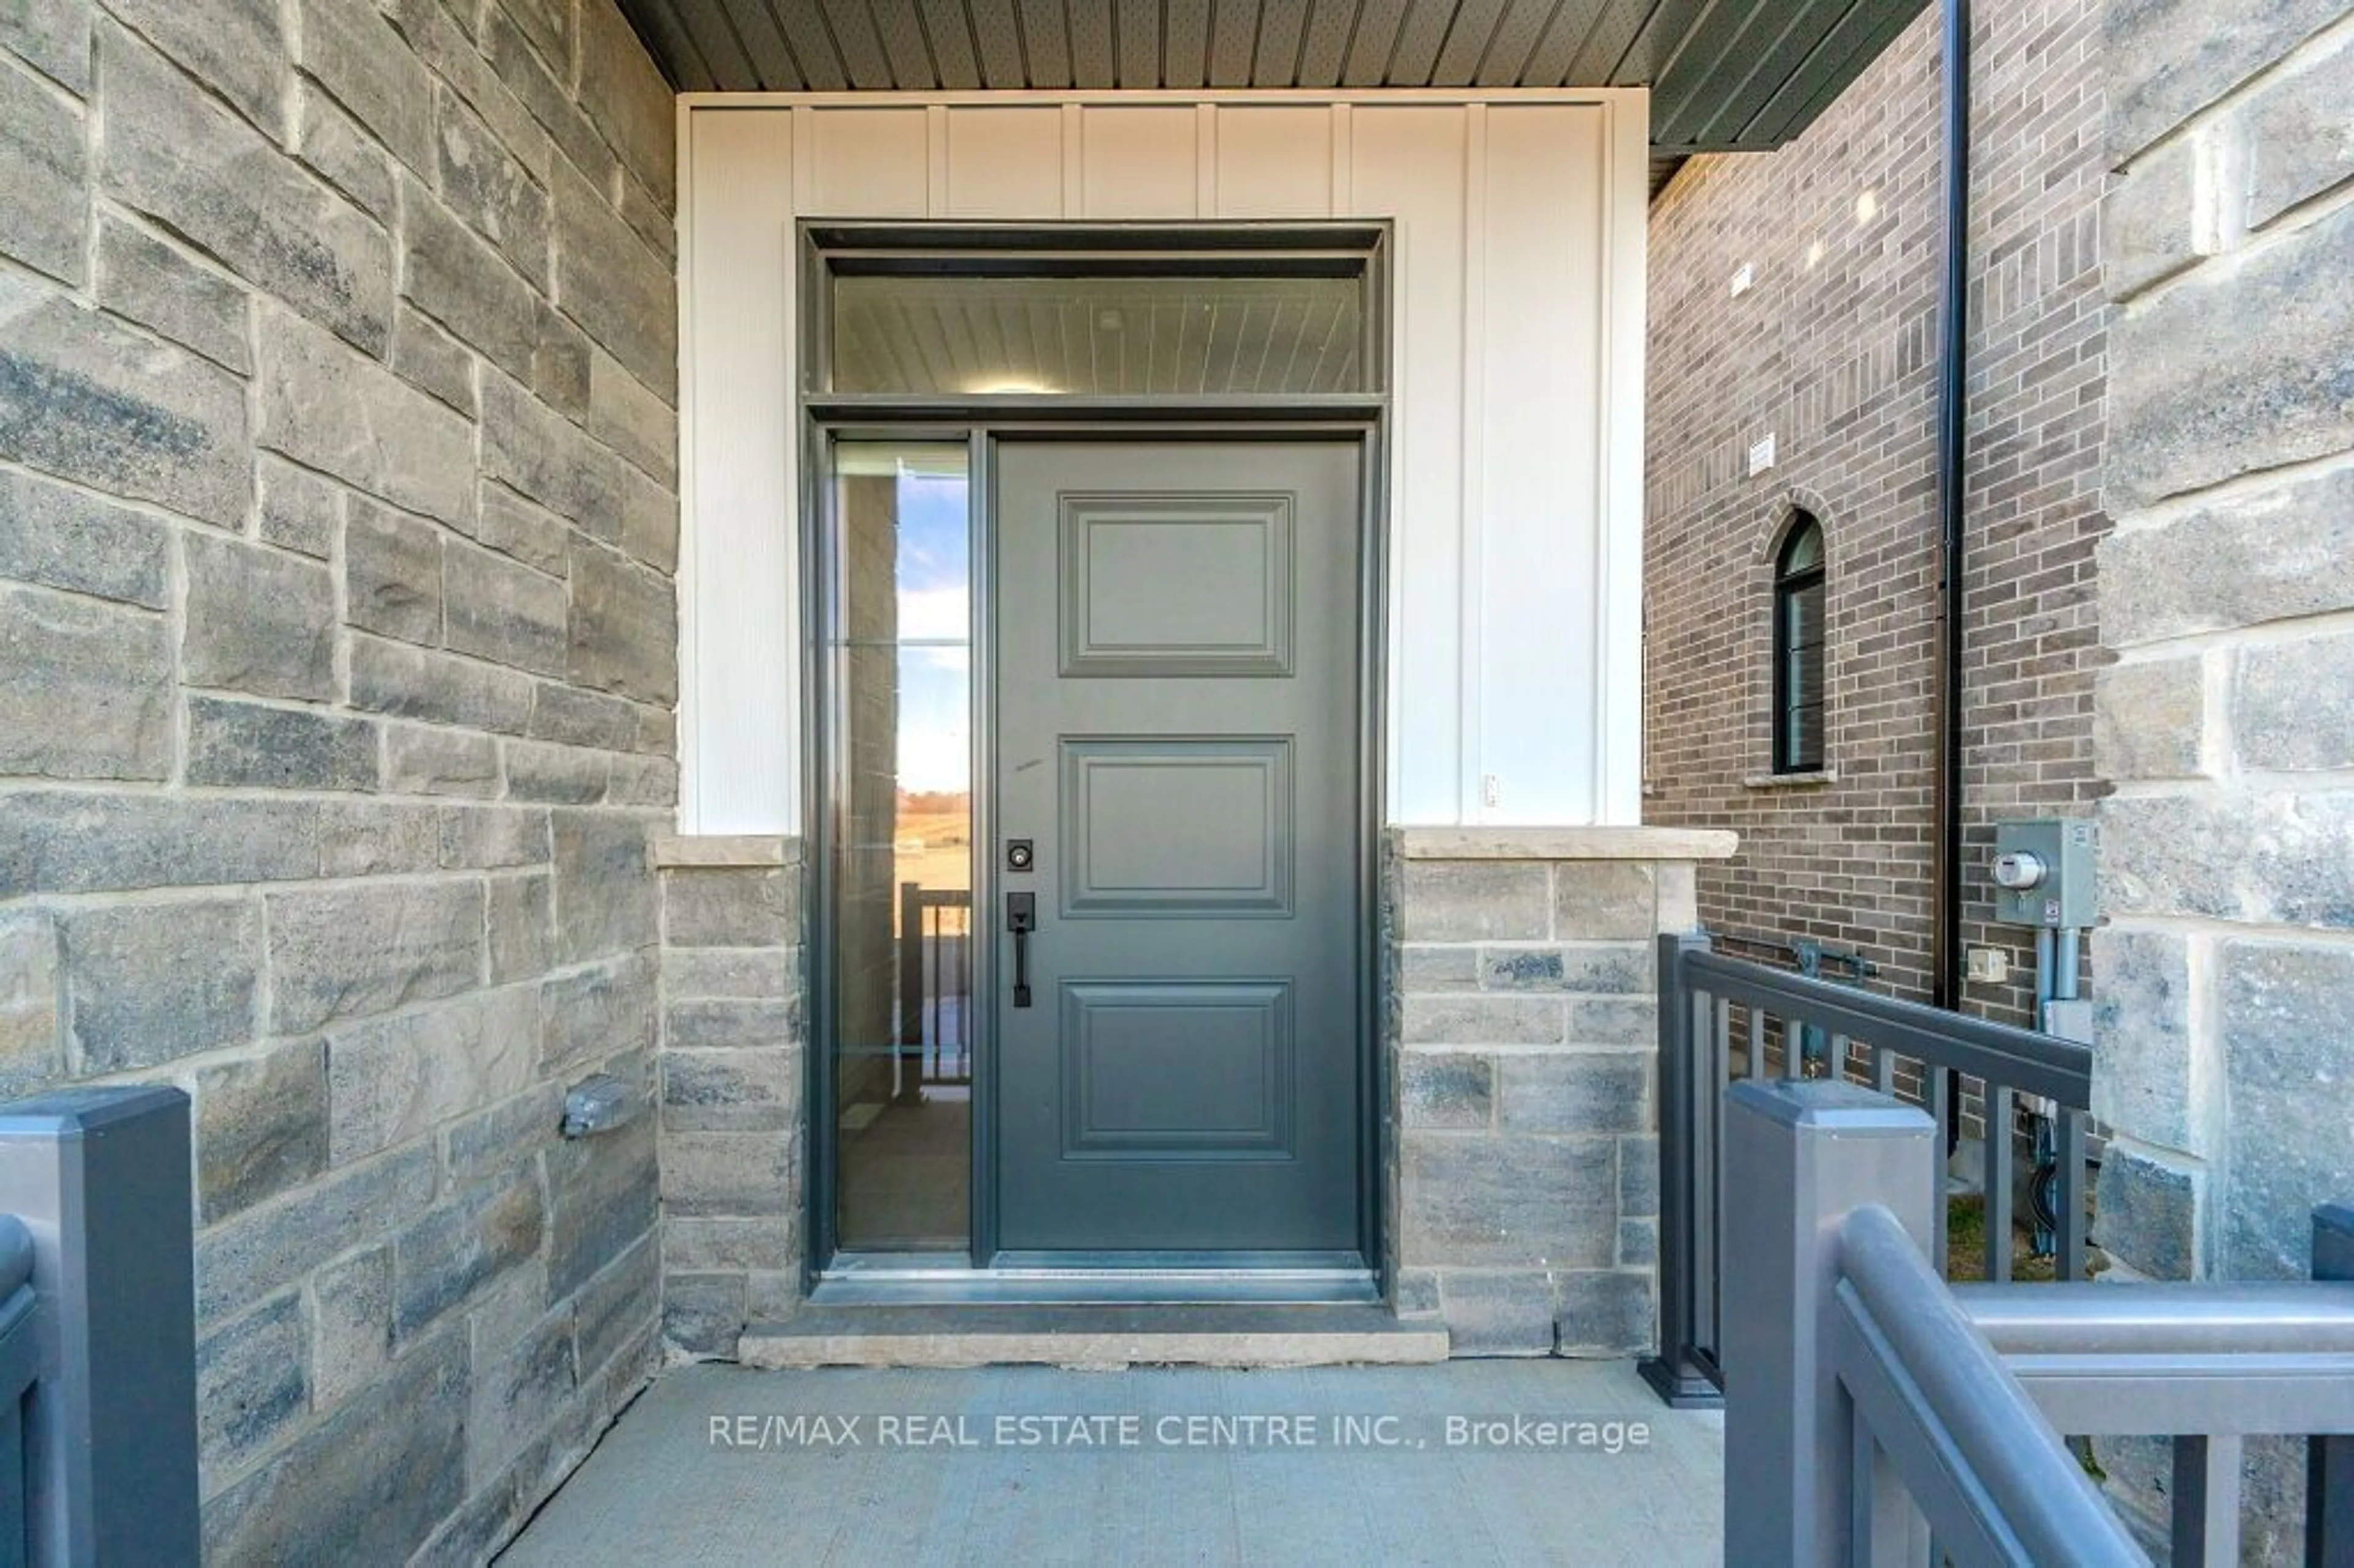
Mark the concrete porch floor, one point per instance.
(664, 1488)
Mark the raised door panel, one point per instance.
(1157, 587)
(1176, 827)
(1176, 1070)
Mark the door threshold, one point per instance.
(971, 1334)
(1049, 1279)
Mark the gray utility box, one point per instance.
(2043, 873)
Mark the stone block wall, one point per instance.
(1831, 349)
(337, 518)
(2227, 720)
(1524, 1040)
(734, 1060)
(2226, 594)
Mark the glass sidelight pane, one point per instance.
(1080, 337)
(903, 849)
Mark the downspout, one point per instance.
(1953, 392)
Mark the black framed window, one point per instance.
(933, 312)
(1798, 637)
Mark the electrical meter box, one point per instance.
(2043, 873)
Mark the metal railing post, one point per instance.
(1800, 1154)
(908, 1068)
(2205, 1527)
(1674, 1373)
(2330, 1460)
(100, 1179)
(20, 1374)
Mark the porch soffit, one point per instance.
(1725, 75)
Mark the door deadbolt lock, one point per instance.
(1019, 857)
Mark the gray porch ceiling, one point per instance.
(1726, 74)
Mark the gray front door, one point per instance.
(1176, 738)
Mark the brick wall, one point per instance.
(1832, 351)
(337, 676)
(2228, 594)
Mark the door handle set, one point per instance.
(1022, 919)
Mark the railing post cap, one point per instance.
(71, 1113)
(1848, 1109)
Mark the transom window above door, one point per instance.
(1102, 313)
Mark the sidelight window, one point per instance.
(902, 846)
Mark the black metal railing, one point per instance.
(1719, 1019)
(1814, 960)
(935, 986)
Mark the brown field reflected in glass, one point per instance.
(902, 1054)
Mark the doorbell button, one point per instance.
(1018, 854)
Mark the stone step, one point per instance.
(1092, 1336)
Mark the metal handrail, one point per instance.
(2020, 1059)
(2207, 1365)
(1796, 949)
(1873, 1413)
(1951, 1424)
(1699, 990)
(2289, 1317)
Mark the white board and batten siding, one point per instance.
(1515, 504)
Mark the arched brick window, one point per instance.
(1798, 642)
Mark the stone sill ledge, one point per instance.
(672, 850)
(1564, 843)
(1790, 780)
